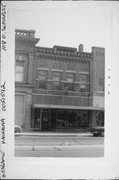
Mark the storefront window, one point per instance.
(47, 119)
(72, 119)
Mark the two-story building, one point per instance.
(59, 88)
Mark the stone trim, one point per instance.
(42, 68)
(87, 97)
(83, 72)
(57, 70)
(70, 71)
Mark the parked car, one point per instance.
(17, 129)
(97, 131)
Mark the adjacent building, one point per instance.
(59, 88)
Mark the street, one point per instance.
(56, 152)
(59, 146)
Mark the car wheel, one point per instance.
(102, 134)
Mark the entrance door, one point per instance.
(82, 119)
(100, 118)
(45, 119)
(53, 117)
(36, 124)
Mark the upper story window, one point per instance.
(42, 78)
(19, 57)
(82, 87)
(69, 86)
(84, 82)
(19, 73)
(43, 75)
(101, 84)
(70, 77)
(56, 76)
(83, 78)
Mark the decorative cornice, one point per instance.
(63, 58)
(45, 50)
(26, 40)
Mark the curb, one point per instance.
(36, 148)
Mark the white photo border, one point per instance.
(64, 168)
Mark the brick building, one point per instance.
(57, 88)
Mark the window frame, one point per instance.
(19, 73)
(73, 79)
(58, 79)
(43, 81)
(103, 88)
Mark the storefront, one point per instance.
(51, 119)
(99, 118)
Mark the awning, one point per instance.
(67, 107)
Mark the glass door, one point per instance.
(36, 123)
(45, 119)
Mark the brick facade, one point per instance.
(87, 91)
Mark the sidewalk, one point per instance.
(56, 134)
(55, 147)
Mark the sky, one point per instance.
(66, 24)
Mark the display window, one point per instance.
(54, 119)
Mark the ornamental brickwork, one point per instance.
(62, 77)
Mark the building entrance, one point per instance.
(99, 118)
(51, 119)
